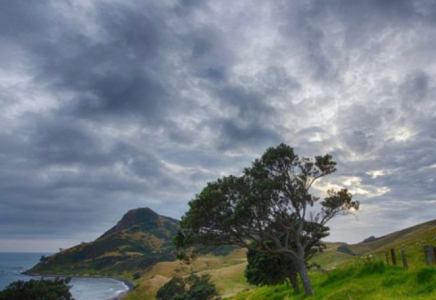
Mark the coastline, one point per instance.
(130, 285)
(120, 296)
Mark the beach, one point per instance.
(119, 294)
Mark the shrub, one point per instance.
(56, 289)
(190, 288)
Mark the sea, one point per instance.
(13, 264)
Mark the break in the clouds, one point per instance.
(113, 105)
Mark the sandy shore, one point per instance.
(129, 284)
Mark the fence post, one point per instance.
(404, 258)
(394, 257)
(434, 254)
(387, 258)
(380, 257)
(429, 255)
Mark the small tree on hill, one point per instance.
(191, 288)
(269, 203)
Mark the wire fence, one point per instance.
(397, 258)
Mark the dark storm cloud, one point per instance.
(121, 74)
(111, 105)
(234, 134)
(31, 19)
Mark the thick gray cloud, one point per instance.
(111, 105)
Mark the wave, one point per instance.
(118, 292)
(126, 287)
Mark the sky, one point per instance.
(110, 105)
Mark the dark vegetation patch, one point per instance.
(346, 250)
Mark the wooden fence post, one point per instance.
(434, 254)
(387, 258)
(404, 258)
(394, 257)
(379, 256)
(429, 255)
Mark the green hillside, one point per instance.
(412, 239)
(138, 241)
(139, 248)
(226, 271)
(352, 276)
(372, 281)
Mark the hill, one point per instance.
(139, 240)
(372, 281)
(139, 248)
(227, 271)
(351, 277)
(412, 239)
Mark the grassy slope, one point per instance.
(356, 280)
(331, 257)
(374, 281)
(227, 272)
(408, 236)
(351, 279)
(412, 239)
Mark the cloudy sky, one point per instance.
(112, 105)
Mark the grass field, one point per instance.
(354, 278)
(412, 239)
(373, 281)
(227, 273)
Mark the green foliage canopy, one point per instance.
(270, 200)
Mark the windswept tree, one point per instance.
(270, 202)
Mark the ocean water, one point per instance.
(13, 264)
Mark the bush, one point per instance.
(263, 269)
(56, 289)
(190, 288)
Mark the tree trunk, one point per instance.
(305, 279)
(294, 281)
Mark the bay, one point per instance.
(13, 264)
